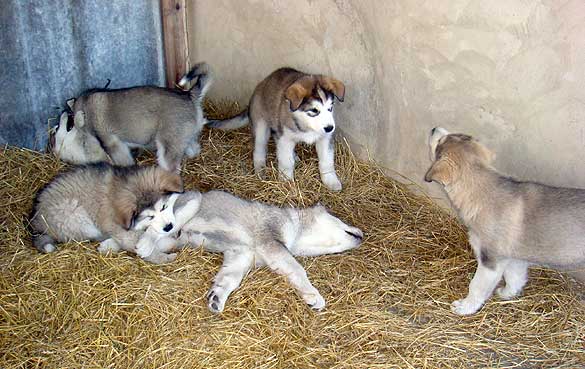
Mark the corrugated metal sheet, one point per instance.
(51, 50)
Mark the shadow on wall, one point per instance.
(55, 49)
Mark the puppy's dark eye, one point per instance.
(69, 123)
(150, 217)
(313, 112)
(163, 207)
(331, 108)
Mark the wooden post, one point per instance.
(174, 39)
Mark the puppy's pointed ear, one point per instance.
(296, 92)
(334, 86)
(125, 211)
(70, 104)
(441, 171)
(171, 182)
(79, 119)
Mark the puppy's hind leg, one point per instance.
(516, 276)
(279, 259)
(236, 264)
(480, 288)
(261, 136)
(118, 151)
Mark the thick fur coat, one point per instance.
(107, 124)
(249, 234)
(97, 202)
(293, 107)
(511, 223)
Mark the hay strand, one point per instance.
(387, 302)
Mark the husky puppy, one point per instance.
(97, 202)
(511, 223)
(74, 145)
(294, 107)
(250, 234)
(108, 123)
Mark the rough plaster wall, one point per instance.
(510, 72)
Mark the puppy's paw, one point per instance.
(314, 300)
(48, 248)
(506, 293)
(107, 246)
(260, 169)
(193, 150)
(286, 175)
(216, 298)
(331, 181)
(161, 258)
(465, 306)
(145, 247)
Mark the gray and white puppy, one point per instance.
(294, 107)
(109, 123)
(249, 234)
(511, 223)
(97, 202)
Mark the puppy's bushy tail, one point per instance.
(201, 72)
(236, 122)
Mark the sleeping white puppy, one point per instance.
(249, 234)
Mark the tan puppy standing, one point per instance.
(294, 107)
(511, 224)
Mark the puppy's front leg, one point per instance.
(126, 240)
(156, 251)
(326, 154)
(285, 151)
(480, 288)
(279, 259)
(108, 245)
(236, 264)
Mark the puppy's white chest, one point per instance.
(306, 137)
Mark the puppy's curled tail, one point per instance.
(201, 72)
(236, 122)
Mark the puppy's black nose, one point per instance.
(433, 130)
(328, 129)
(168, 227)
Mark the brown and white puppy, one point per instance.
(511, 223)
(294, 107)
(97, 202)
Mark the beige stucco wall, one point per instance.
(511, 72)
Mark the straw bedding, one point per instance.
(387, 302)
